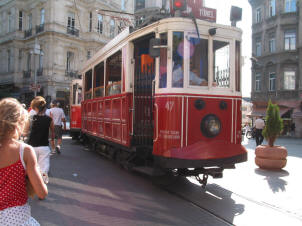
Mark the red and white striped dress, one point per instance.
(14, 209)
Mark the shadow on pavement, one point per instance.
(273, 179)
(213, 198)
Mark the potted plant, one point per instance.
(271, 156)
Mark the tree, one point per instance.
(274, 123)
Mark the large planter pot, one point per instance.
(270, 157)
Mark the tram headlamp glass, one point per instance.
(210, 126)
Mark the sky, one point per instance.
(223, 8)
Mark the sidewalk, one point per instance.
(280, 190)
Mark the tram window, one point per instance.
(163, 61)
(178, 62)
(74, 93)
(238, 66)
(198, 75)
(79, 95)
(114, 74)
(88, 84)
(221, 63)
(99, 80)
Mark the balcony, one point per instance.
(72, 74)
(73, 31)
(40, 72)
(26, 74)
(39, 28)
(27, 33)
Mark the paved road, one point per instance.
(86, 189)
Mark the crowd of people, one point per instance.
(25, 155)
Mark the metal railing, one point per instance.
(26, 74)
(73, 31)
(72, 74)
(27, 33)
(39, 28)
(40, 72)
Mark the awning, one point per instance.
(297, 113)
(261, 112)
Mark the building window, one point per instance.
(19, 59)
(88, 54)
(272, 8)
(100, 24)
(123, 5)
(272, 81)
(71, 20)
(289, 80)
(290, 40)
(30, 21)
(272, 44)
(290, 6)
(258, 15)
(20, 20)
(258, 47)
(90, 21)
(10, 22)
(42, 16)
(41, 59)
(69, 60)
(8, 60)
(257, 81)
(29, 62)
(112, 28)
(139, 4)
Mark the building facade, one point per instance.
(44, 43)
(276, 56)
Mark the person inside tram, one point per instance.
(194, 78)
(178, 75)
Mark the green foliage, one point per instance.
(273, 123)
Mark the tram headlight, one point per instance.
(210, 125)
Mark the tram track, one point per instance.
(168, 187)
(211, 213)
(217, 212)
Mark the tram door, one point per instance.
(143, 99)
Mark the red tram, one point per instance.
(75, 108)
(179, 110)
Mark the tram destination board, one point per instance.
(196, 8)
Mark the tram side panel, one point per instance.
(108, 118)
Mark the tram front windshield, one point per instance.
(194, 52)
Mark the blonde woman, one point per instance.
(16, 161)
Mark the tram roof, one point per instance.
(126, 35)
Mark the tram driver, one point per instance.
(178, 75)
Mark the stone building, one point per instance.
(277, 54)
(52, 39)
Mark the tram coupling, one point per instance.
(215, 172)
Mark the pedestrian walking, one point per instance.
(259, 126)
(17, 160)
(247, 128)
(58, 116)
(292, 129)
(38, 138)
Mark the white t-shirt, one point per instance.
(57, 115)
(259, 123)
(47, 112)
(32, 112)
